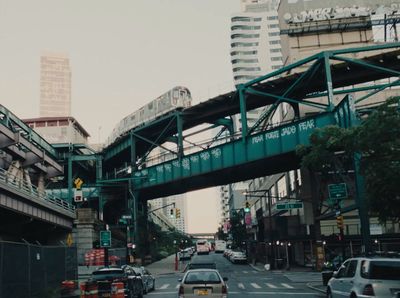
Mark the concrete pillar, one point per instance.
(86, 231)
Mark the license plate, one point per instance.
(105, 295)
(201, 292)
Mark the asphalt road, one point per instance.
(243, 281)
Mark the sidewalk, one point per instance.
(165, 266)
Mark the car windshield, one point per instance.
(386, 270)
(202, 277)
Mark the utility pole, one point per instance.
(271, 234)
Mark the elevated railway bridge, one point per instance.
(325, 89)
(320, 90)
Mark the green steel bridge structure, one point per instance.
(253, 151)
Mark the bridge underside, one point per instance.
(250, 170)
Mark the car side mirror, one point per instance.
(225, 278)
(335, 274)
(180, 279)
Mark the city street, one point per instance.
(243, 281)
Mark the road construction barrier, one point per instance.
(89, 289)
(117, 290)
(69, 289)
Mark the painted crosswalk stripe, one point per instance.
(241, 286)
(254, 271)
(255, 286)
(164, 286)
(271, 286)
(177, 286)
(287, 286)
(245, 272)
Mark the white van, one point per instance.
(220, 246)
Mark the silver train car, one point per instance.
(177, 97)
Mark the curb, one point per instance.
(315, 289)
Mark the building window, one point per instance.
(243, 53)
(276, 58)
(247, 68)
(271, 26)
(244, 27)
(244, 44)
(282, 188)
(273, 34)
(244, 61)
(275, 50)
(271, 18)
(275, 67)
(272, 42)
(233, 36)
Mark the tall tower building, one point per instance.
(55, 85)
(255, 40)
(180, 203)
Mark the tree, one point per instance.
(238, 230)
(377, 140)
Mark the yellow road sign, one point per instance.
(69, 239)
(78, 183)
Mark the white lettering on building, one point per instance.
(307, 125)
(287, 131)
(328, 13)
(257, 139)
(272, 135)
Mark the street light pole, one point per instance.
(271, 237)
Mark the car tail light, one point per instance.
(368, 290)
(224, 289)
(181, 291)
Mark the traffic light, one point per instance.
(247, 207)
(339, 222)
(172, 213)
(177, 213)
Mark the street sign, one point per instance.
(105, 238)
(69, 240)
(337, 191)
(126, 216)
(287, 206)
(78, 196)
(78, 183)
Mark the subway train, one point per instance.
(177, 97)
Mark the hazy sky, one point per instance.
(123, 53)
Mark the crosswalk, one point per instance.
(242, 286)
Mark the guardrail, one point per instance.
(28, 189)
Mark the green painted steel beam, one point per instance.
(350, 90)
(328, 80)
(243, 111)
(367, 48)
(283, 70)
(266, 114)
(154, 144)
(84, 157)
(397, 82)
(285, 99)
(367, 65)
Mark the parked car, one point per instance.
(238, 257)
(148, 280)
(184, 255)
(106, 276)
(366, 277)
(203, 282)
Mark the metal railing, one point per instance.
(25, 188)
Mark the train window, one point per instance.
(133, 117)
(175, 94)
(183, 93)
(150, 106)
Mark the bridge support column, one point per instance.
(70, 178)
(243, 111)
(179, 124)
(133, 150)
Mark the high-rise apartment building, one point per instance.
(255, 40)
(55, 85)
(180, 203)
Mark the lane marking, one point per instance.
(271, 286)
(287, 286)
(255, 285)
(241, 286)
(254, 271)
(177, 286)
(272, 293)
(245, 272)
(164, 286)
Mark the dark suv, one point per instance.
(104, 278)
